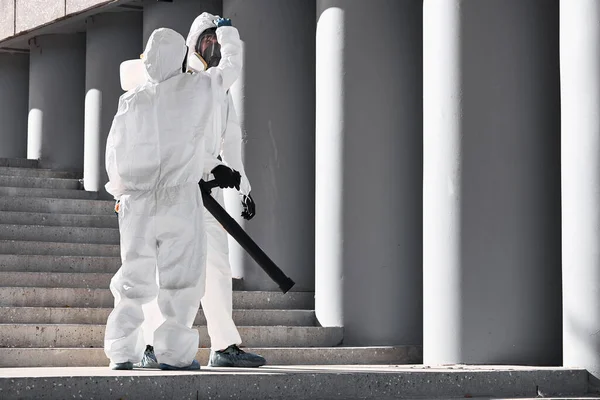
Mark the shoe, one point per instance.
(121, 366)
(233, 356)
(194, 366)
(148, 360)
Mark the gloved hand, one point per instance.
(226, 177)
(223, 22)
(249, 207)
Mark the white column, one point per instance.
(491, 182)
(275, 99)
(56, 98)
(111, 39)
(580, 99)
(14, 95)
(368, 255)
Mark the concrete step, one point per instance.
(40, 183)
(92, 272)
(18, 163)
(63, 315)
(330, 382)
(55, 279)
(59, 234)
(48, 193)
(103, 298)
(49, 264)
(95, 357)
(58, 249)
(46, 219)
(38, 173)
(58, 206)
(68, 335)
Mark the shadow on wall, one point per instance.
(14, 84)
(56, 90)
(375, 148)
(277, 113)
(510, 228)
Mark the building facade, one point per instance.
(430, 169)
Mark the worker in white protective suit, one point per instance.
(223, 146)
(154, 160)
(224, 143)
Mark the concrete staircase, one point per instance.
(59, 247)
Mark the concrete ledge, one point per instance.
(48, 219)
(48, 193)
(76, 315)
(56, 279)
(33, 13)
(40, 182)
(92, 357)
(7, 18)
(58, 249)
(34, 19)
(18, 162)
(59, 234)
(48, 263)
(68, 279)
(103, 298)
(308, 382)
(58, 206)
(70, 335)
(38, 173)
(76, 6)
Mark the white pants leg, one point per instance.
(181, 265)
(217, 301)
(153, 318)
(134, 283)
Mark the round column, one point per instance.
(177, 14)
(111, 39)
(368, 255)
(491, 183)
(14, 99)
(580, 97)
(275, 99)
(56, 99)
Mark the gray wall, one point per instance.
(14, 89)
(177, 15)
(580, 97)
(492, 229)
(102, 84)
(56, 100)
(276, 101)
(369, 169)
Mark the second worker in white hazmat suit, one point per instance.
(223, 145)
(154, 160)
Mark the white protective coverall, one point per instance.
(223, 137)
(154, 160)
(224, 140)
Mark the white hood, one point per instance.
(164, 55)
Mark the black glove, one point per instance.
(226, 177)
(249, 207)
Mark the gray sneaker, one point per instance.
(124, 366)
(233, 356)
(148, 360)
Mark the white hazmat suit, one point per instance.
(223, 139)
(154, 160)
